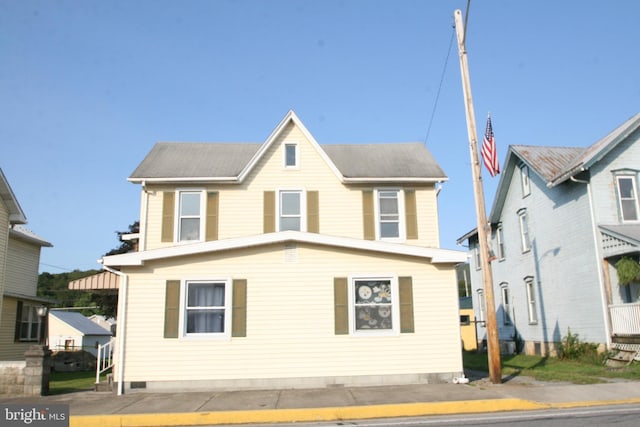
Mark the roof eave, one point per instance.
(394, 180)
(186, 180)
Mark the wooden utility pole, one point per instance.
(493, 344)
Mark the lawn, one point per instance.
(553, 369)
(69, 382)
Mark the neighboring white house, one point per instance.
(287, 264)
(562, 219)
(108, 323)
(71, 331)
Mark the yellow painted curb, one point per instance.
(568, 405)
(308, 414)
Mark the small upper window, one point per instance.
(291, 155)
(190, 215)
(627, 197)
(389, 215)
(524, 179)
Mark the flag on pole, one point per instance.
(489, 151)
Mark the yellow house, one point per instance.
(286, 264)
(468, 324)
(20, 323)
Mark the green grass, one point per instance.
(70, 382)
(552, 369)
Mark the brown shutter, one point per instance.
(172, 309)
(368, 216)
(212, 216)
(44, 328)
(411, 214)
(341, 305)
(168, 206)
(18, 321)
(313, 212)
(269, 224)
(406, 304)
(239, 313)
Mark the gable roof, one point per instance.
(79, 322)
(232, 162)
(435, 255)
(16, 214)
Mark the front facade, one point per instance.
(561, 219)
(287, 264)
(21, 317)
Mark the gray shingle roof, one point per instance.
(395, 160)
(195, 160)
(79, 322)
(180, 160)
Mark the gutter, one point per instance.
(122, 315)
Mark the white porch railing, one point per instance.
(625, 319)
(105, 358)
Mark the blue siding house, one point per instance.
(561, 220)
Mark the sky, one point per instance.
(88, 87)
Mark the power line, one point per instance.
(444, 69)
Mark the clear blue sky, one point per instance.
(89, 86)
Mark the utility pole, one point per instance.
(493, 345)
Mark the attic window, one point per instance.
(627, 197)
(524, 179)
(291, 155)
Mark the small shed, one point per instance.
(70, 331)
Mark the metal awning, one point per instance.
(104, 280)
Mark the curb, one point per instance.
(302, 415)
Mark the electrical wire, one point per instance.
(444, 70)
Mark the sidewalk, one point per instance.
(336, 403)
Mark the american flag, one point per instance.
(489, 151)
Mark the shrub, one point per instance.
(572, 348)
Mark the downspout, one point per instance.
(603, 296)
(122, 316)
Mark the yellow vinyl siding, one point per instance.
(9, 349)
(340, 206)
(298, 341)
(22, 267)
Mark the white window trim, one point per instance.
(481, 306)
(619, 197)
(505, 296)
(303, 206)
(402, 229)
(395, 306)
(531, 301)
(34, 321)
(297, 154)
(525, 180)
(227, 310)
(525, 233)
(500, 242)
(203, 204)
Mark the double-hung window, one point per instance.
(481, 305)
(524, 180)
(206, 308)
(389, 224)
(500, 242)
(525, 239)
(29, 324)
(291, 212)
(375, 306)
(531, 300)
(506, 305)
(627, 197)
(190, 215)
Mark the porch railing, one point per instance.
(105, 358)
(625, 319)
